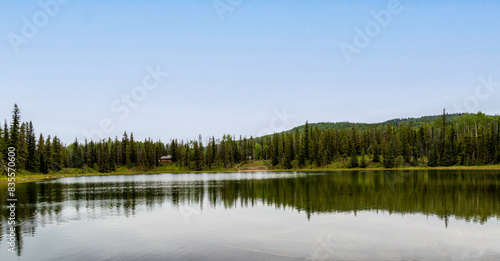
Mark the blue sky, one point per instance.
(265, 66)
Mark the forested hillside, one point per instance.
(414, 122)
(447, 140)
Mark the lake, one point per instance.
(348, 215)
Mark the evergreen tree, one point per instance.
(14, 133)
(113, 152)
(389, 151)
(6, 141)
(125, 151)
(275, 150)
(288, 153)
(103, 157)
(48, 154)
(76, 155)
(376, 153)
(31, 159)
(14, 127)
(22, 152)
(197, 158)
(57, 154)
(42, 157)
(353, 160)
(433, 158)
(133, 149)
(362, 163)
(305, 146)
(3, 143)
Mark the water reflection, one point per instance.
(469, 195)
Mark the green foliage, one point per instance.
(353, 160)
(447, 140)
(362, 162)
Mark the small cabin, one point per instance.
(167, 158)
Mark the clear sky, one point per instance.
(242, 67)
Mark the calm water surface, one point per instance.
(383, 215)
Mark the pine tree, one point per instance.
(389, 157)
(133, 150)
(42, 157)
(14, 127)
(22, 148)
(125, 151)
(31, 159)
(376, 153)
(174, 150)
(76, 155)
(275, 150)
(362, 163)
(389, 151)
(103, 157)
(197, 156)
(48, 153)
(353, 160)
(113, 152)
(5, 139)
(14, 133)
(288, 153)
(305, 146)
(433, 158)
(57, 157)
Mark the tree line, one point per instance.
(468, 139)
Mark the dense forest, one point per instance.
(463, 139)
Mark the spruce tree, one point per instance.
(42, 157)
(389, 158)
(125, 151)
(376, 153)
(275, 150)
(113, 152)
(288, 153)
(31, 159)
(48, 153)
(5, 138)
(433, 158)
(353, 160)
(76, 155)
(305, 146)
(14, 127)
(14, 133)
(197, 156)
(362, 163)
(133, 150)
(22, 147)
(57, 154)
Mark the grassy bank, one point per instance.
(26, 176)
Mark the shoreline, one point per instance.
(22, 178)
